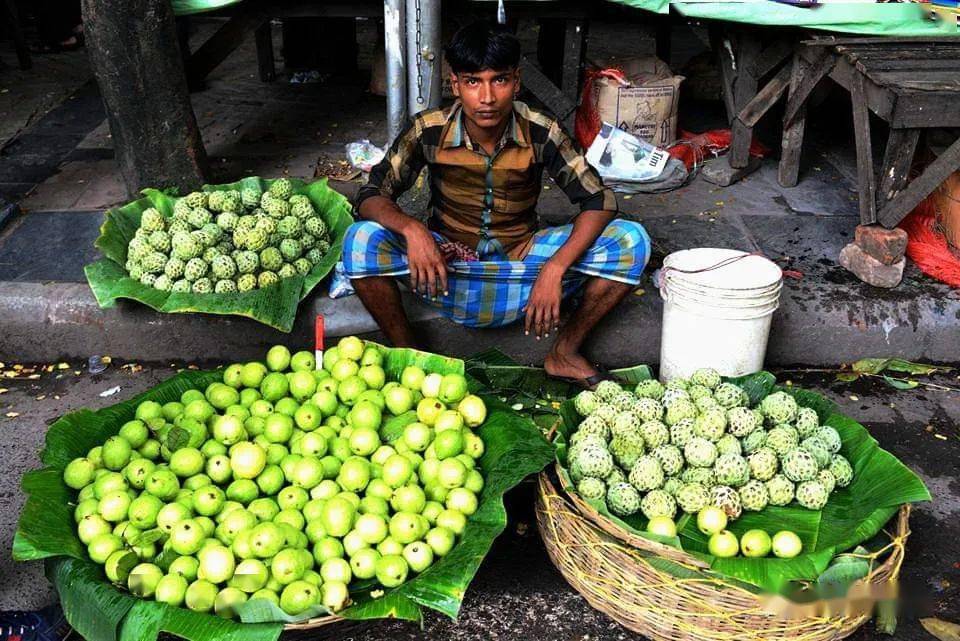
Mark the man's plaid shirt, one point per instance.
(488, 203)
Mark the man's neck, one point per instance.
(486, 137)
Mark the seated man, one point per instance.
(486, 155)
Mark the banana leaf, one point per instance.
(852, 516)
(274, 306)
(101, 611)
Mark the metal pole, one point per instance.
(394, 30)
(423, 55)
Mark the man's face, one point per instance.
(487, 95)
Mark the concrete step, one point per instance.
(827, 317)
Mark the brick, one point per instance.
(869, 269)
(886, 245)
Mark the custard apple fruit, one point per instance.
(707, 377)
(679, 410)
(812, 495)
(693, 497)
(799, 465)
(754, 496)
(623, 499)
(731, 469)
(729, 395)
(711, 425)
(780, 490)
(782, 438)
(779, 407)
(741, 421)
(830, 438)
(606, 390)
(820, 452)
(646, 474)
(671, 459)
(727, 499)
(585, 402)
(658, 503)
(592, 488)
(763, 464)
(807, 422)
(842, 470)
(682, 432)
(650, 388)
(700, 452)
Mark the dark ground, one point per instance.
(517, 593)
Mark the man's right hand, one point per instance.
(428, 270)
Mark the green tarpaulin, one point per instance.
(887, 19)
(187, 7)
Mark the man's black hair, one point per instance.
(481, 46)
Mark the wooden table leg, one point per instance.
(745, 88)
(803, 80)
(575, 35)
(866, 178)
(897, 160)
(222, 43)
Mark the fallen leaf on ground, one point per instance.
(943, 630)
(110, 392)
(12, 414)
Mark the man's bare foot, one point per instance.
(568, 365)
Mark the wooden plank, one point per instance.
(866, 181)
(754, 110)
(903, 78)
(794, 124)
(745, 88)
(921, 187)
(831, 41)
(575, 33)
(925, 109)
(897, 161)
(899, 53)
(723, 45)
(808, 76)
(265, 62)
(917, 65)
(223, 42)
(773, 56)
(547, 92)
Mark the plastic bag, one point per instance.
(339, 284)
(364, 155)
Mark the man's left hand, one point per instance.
(543, 308)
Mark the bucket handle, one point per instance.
(787, 273)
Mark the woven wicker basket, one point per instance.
(609, 566)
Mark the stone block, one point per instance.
(886, 245)
(869, 269)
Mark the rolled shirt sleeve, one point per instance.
(573, 174)
(398, 170)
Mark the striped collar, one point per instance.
(455, 134)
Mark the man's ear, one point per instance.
(516, 81)
(454, 84)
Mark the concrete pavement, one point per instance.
(517, 593)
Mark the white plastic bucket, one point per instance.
(718, 304)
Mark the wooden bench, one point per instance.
(911, 83)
